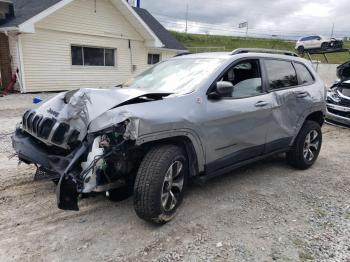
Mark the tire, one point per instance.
(154, 192)
(301, 50)
(325, 46)
(299, 156)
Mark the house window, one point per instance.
(92, 56)
(153, 59)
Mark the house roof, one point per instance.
(27, 9)
(164, 35)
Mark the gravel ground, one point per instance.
(265, 212)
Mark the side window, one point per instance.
(246, 78)
(92, 56)
(153, 59)
(305, 77)
(281, 74)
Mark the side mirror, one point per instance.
(223, 89)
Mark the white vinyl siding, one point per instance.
(47, 52)
(48, 64)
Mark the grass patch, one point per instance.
(306, 256)
(305, 253)
(321, 213)
(228, 43)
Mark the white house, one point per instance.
(69, 44)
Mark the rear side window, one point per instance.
(305, 77)
(281, 74)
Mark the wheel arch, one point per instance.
(189, 142)
(317, 116)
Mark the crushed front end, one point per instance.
(338, 98)
(55, 138)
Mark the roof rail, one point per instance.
(262, 50)
(184, 53)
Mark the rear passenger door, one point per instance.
(308, 42)
(289, 103)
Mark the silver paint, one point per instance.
(216, 128)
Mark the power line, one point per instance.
(256, 30)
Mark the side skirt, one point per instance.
(204, 178)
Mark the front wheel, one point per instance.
(307, 146)
(160, 183)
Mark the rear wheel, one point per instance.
(325, 46)
(301, 50)
(306, 147)
(160, 184)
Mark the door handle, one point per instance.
(301, 94)
(261, 104)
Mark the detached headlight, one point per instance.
(332, 96)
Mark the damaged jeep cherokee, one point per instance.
(194, 116)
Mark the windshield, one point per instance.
(180, 76)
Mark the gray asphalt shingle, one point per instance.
(26, 9)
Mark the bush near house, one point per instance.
(195, 42)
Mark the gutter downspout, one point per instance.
(131, 58)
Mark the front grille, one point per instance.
(29, 121)
(339, 113)
(344, 102)
(60, 133)
(48, 129)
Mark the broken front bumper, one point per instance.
(31, 151)
(338, 115)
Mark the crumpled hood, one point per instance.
(343, 71)
(86, 104)
(79, 107)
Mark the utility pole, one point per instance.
(186, 18)
(332, 31)
(246, 33)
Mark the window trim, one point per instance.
(283, 88)
(234, 63)
(299, 80)
(94, 66)
(154, 53)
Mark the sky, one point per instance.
(277, 18)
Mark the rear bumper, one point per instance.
(337, 115)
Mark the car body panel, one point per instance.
(126, 121)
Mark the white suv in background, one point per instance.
(317, 42)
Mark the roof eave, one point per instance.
(9, 29)
(151, 38)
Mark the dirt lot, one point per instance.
(264, 212)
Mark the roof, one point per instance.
(27, 9)
(164, 35)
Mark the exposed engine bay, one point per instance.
(338, 98)
(57, 138)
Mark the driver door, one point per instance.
(235, 127)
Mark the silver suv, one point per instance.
(194, 116)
